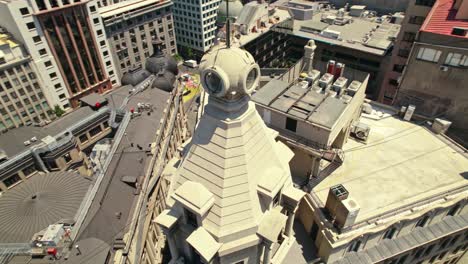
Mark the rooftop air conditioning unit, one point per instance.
(27, 143)
(353, 88)
(325, 81)
(339, 85)
(361, 131)
(443, 68)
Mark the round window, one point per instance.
(251, 79)
(213, 82)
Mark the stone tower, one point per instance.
(231, 196)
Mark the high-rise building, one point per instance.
(22, 99)
(415, 14)
(131, 26)
(195, 24)
(66, 42)
(436, 74)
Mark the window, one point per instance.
(398, 68)
(96, 20)
(48, 63)
(422, 221)
(409, 36)
(99, 32)
(24, 11)
(354, 246)
(456, 59)
(459, 31)
(108, 63)
(454, 210)
(42, 52)
(417, 20)
(404, 53)
(191, 218)
(425, 2)
(53, 75)
(390, 233)
(62, 96)
(291, 124)
(36, 39)
(67, 157)
(428, 54)
(102, 43)
(12, 180)
(57, 86)
(83, 138)
(105, 53)
(29, 170)
(52, 164)
(96, 130)
(30, 25)
(393, 82)
(92, 8)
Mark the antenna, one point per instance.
(228, 26)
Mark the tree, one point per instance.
(177, 57)
(58, 111)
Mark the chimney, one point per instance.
(331, 67)
(342, 209)
(309, 50)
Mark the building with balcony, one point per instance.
(66, 41)
(415, 14)
(434, 80)
(131, 26)
(22, 99)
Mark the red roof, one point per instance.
(441, 19)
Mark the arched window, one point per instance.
(422, 222)
(354, 246)
(390, 233)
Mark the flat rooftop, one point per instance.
(401, 163)
(244, 39)
(306, 104)
(12, 142)
(130, 6)
(352, 35)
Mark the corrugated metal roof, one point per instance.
(441, 19)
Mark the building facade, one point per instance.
(415, 14)
(58, 146)
(131, 26)
(67, 43)
(435, 77)
(224, 206)
(195, 25)
(22, 99)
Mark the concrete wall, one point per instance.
(432, 90)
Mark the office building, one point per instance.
(22, 99)
(67, 43)
(131, 26)
(354, 36)
(436, 74)
(415, 15)
(195, 25)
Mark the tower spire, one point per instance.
(228, 26)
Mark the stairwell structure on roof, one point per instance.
(231, 196)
